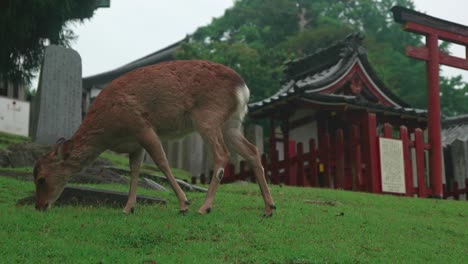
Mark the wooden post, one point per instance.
(300, 165)
(370, 153)
(388, 130)
(356, 159)
(433, 110)
(339, 159)
(313, 163)
(407, 161)
(419, 146)
(326, 159)
(291, 165)
(274, 167)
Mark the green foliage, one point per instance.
(454, 96)
(27, 26)
(362, 228)
(255, 37)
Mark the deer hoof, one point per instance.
(129, 211)
(183, 211)
(204, 211)
(268, 215)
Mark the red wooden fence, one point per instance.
(339, 163)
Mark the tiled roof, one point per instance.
(454, 128)
(308, 76)
(99, 80)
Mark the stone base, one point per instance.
(74, 195)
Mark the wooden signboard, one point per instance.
(392, 166)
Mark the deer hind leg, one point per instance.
(249, 152)
(220, 157)
(135, 160)
(152, 144)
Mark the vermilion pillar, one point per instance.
(433, 109)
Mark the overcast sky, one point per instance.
(129, 30)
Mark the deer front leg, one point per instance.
(152, 144)
(135, 160)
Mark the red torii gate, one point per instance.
(433, 29)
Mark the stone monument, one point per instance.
(56, 110)
(460, 161)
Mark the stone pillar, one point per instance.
(57, 105)
(459, 150)
(193, 154)
(254, 134)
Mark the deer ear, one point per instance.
(64, 149)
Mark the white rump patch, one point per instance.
(243, 95)
(235, 120)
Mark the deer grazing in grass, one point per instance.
(139, 109)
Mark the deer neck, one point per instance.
(85, 150)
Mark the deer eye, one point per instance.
(41, 181)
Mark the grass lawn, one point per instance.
(361, 228)
(8, 139)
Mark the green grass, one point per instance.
(362, 228)
(8, 139)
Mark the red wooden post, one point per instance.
(356, 159)
(339, 159)
(419, 145)
(228, 174)
(324, 150)
(433, 110)
(325, 158)
(388, 130)
(300, 165)
(274, 167)
(371, 155)
(291, 165)
(313, 163)
(407, 161)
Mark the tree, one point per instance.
(255, 38)
(454, 96)
(27, 26)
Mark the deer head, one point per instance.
(51, 174)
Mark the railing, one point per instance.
(339, 163)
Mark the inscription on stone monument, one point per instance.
(392, 165)
(57, 106)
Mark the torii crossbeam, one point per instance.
(434, 29)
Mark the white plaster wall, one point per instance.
(14, 116)
(304, 133)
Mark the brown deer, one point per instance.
(139, 109)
